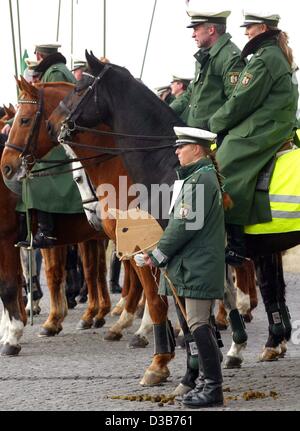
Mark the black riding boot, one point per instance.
(235, 251)
(44, 237)
(114, 274)
(22, 231)
(209, 361)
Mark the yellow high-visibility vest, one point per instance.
(284, 197)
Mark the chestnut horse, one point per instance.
(144, 128)
(107, 172)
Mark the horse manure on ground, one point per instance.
(160, 399)
(253, 395)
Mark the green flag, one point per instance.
(23, 65)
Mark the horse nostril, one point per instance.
(7, 171)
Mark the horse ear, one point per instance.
(92, 61)
(26, 86)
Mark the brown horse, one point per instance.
(107, 172)
(93, 256)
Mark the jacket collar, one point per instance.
(49, 61)
(185, 171)
(269, 37)
(204, 53)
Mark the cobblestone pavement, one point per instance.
(78, 370)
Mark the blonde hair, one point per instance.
(283, 41)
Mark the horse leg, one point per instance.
(36, 288)
(55, 260)
(139, 339)
(127, 316)
(234, 357)
(13, 316)
(164, 341)
(252, 291)
(141, 307)
(119, 307)
(267, 271)
(89, 256)
(286, 317)
(221, 317)
(246, 289)
(103, 294)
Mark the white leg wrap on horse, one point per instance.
(146, 324)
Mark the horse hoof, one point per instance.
(153, 378)
(269, 354)
(247, 317)
(233, 362)
(283, 349)
(82, 299)
(116, 311)
(180, 390)
(138, 341)
(113, 336)
(83, 324)
(221, 326)
(180, 343)
(47, 332)
(9, 350)
(98, 323)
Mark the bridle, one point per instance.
(31, 144)
(69, 124)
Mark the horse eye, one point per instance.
(25, 121)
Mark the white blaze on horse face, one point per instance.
(14, 330)
(85, 191)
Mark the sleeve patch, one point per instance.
(246, 79)
(233, 77)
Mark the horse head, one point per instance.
(28, 139)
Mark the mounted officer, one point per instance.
(179, 85)
(218, 66)
(258, 120)
(78, 68)
(49, 194)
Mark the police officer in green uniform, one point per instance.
(179, 85)
(56, 193)
(79, 67)
(218, 66)
(164, 92)
(192, 250)
(259, 118)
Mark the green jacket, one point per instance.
(195, 256)
(57, 193)
(217, 72)
(57, 73)
(260, 117)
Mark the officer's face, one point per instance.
(188, 154)
(202, 34)
(254, 30)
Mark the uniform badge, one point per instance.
(183, 212)
(234, 77)
(246, 79)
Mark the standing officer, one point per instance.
(192, 249)
(259, 118)
(218, 66)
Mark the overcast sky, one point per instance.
(171, 46)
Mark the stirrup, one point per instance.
(43, 241)
(234, 259)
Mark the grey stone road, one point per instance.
(78, 370)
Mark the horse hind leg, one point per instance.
(104, 305)
(234, 357)
(55, 260)
(127, 316)
(140, 337)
